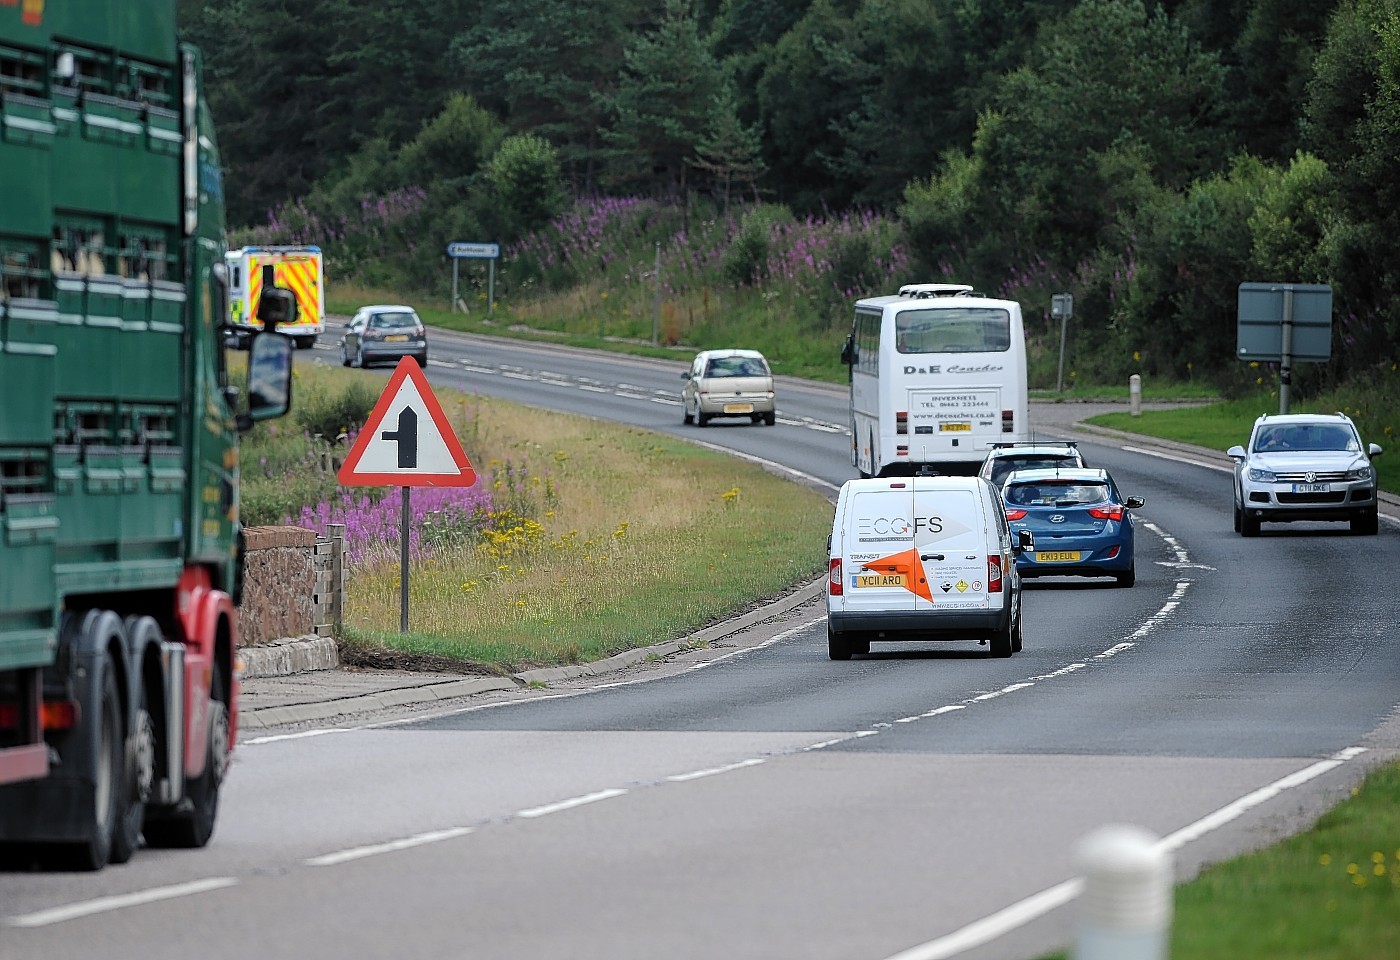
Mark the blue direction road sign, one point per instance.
(474, 251)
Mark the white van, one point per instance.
(922, 558)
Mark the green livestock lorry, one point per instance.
(119, 544)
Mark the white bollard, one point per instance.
(1125, 909)
(1135, 395)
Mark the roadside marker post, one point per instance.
(407, 441)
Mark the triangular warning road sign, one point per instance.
(407, 441)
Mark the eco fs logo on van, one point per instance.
(920, 530)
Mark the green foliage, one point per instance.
(525, 186)
(661, 108)
(329, 414)
(454, 145)
(746, 260)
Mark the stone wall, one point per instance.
(293, 584)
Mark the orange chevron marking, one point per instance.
(908, 560)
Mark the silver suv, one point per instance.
(1304, 466)
(1004, 458)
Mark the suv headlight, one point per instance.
(1259, 475)
(1359, 473)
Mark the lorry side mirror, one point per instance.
(277, 305)
(269, 379)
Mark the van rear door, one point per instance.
(879, 564)
(952, 543)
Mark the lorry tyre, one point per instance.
(306, 343)
(138, 776)
(109, 751)
(192, 823)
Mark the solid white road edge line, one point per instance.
(87, 908)
(1018, 914)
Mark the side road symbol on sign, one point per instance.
(407, 440)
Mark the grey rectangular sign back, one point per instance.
(1261, 322)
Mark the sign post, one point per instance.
(1061, 308)
(407, 441)
(1283, 323)
(490, 252)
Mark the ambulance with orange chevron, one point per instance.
(298, 269)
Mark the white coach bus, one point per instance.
(938, 375)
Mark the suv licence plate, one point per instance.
(1312, 488)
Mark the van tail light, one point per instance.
(1114, 512)
(833, 579)
(1015, 513)
(1008, 421)
(994, 574)
(901, 422)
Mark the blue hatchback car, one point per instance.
(1083, 526)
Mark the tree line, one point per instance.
(1146, 156)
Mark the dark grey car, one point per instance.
(384, 332)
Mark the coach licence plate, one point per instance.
(954, 427)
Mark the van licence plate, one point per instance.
(1056, 556)
(397, 337)
(738, 408)
(1312, 488)
(954, 427)
(882, 580)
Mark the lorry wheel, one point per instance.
(95, 852)
(306, 343)
(192, 823)
(138, 776)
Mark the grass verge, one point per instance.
(582, 539)
(1332, 893)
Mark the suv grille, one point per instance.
(1320, 476)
